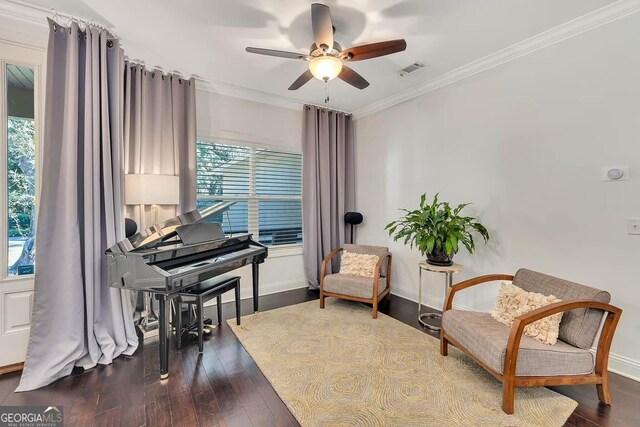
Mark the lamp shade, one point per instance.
(146, 189)
(325, 67)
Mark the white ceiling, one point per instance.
(207, 38)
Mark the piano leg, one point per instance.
(164, 337)
(254, 271)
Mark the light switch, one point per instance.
(633, 226)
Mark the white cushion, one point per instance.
(361, 265)
(514, 301)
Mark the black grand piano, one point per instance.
(173, 256)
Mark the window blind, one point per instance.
(266, 185)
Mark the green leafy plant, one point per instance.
(437, 229)
(21, 176)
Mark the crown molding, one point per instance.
(23, 26)
(605, 15)
(25, 12)
(617, 10)
(234, 91)
(36, 14)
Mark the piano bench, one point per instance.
(199, 294)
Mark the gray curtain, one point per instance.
(159, 138)
(328, 184)
(77, 319)
(160, 134)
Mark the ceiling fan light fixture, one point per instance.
(325, 67)
(326, 57)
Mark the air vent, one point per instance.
(411, 69)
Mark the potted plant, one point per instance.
(437, 230)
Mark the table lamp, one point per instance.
(154, 190)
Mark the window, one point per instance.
(265, 184)
(20, 169)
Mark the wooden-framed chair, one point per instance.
(355, 288)
(520, 361)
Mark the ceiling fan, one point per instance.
(326, 57)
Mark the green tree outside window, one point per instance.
(21, 163)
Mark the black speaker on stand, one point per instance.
(353, 218)
(130, 227)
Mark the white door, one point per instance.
(21, 77)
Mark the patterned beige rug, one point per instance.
(340, 367)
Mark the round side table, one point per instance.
(448, 272)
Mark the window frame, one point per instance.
(26, 56)
(253, 199)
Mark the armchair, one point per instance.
(520, 361)
(354, 288)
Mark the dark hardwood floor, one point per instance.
(224, 387)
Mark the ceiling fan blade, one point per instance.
(278, 53)
(322, 26)
(373, 50)
(353, 78)
(300, 81)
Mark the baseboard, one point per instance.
(427, 300)
(618, 364)
(11, 368)
(624, 366)
(289, 285)
(272, 288)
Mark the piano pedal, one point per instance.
(208, 329)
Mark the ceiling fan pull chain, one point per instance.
(326, 96)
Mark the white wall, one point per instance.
(237, 121)
(525, 143)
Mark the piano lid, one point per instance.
(158, 233)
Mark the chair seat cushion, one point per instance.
(487, 339)
(354, 286)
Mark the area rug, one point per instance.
(340, 367)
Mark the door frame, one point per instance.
(32, 57)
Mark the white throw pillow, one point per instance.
(362, 265)
(514, 301)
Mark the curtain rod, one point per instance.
(327, 109)
(155, 68)
(82, 27)
(83, 24)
